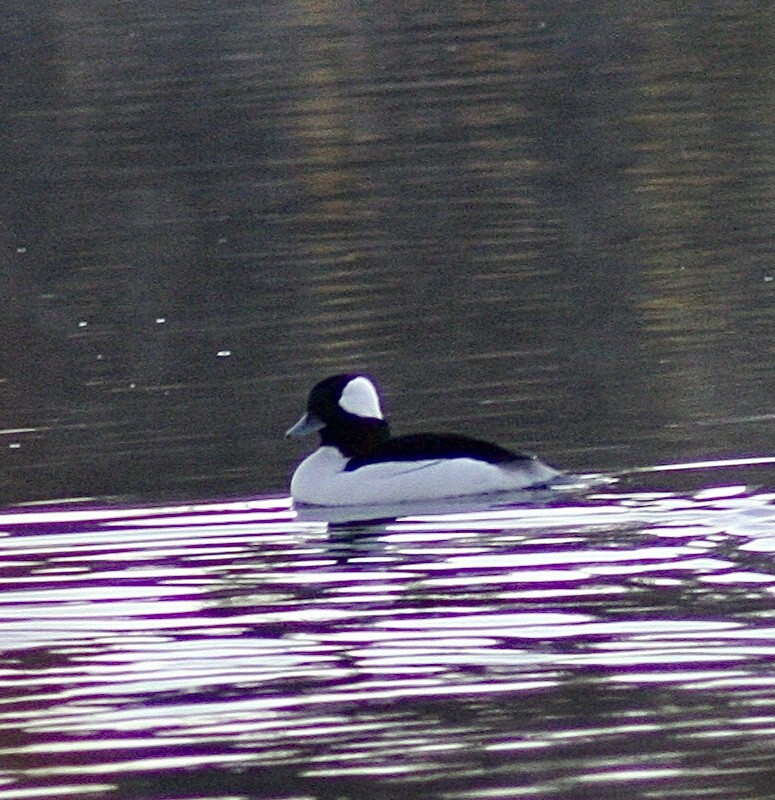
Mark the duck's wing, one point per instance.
(430, 446)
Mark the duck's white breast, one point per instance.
(321, 479)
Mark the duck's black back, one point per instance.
(421, 446)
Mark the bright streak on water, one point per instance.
(151, 645)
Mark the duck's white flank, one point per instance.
(359, 397)
(321, 479)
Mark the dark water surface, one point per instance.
(541, 223)
(548, 224)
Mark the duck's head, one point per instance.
(346, 411)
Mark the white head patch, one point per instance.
(359, 397)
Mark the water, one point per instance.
(618, 641)
(544, 224)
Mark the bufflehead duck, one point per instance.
(360, 463)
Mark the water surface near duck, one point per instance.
(566, 648)
(548, 226)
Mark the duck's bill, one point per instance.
(309, 423)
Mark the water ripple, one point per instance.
(164, 641)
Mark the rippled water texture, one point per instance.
(544, 223)
(547, 224)
(575, 647)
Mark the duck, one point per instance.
(358, 462)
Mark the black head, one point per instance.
(346, 411)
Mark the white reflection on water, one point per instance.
(161, 641)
